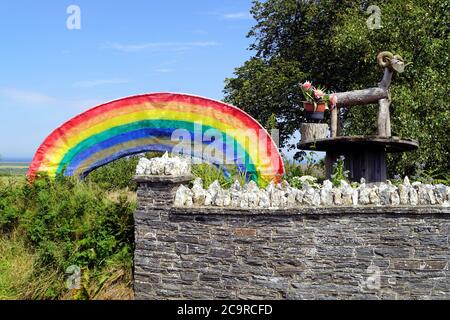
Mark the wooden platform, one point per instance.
(391, 144)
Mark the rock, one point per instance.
(198, 193)
(347, 193)
(384, 192)
(316, 198)
(243, 200)
(326, 194)
(291, 195)
(337, 195)
(299, 197)
(223, 198)
(141, 168)
(426, 194)
(404, 191)
(251, 186)
(440, 193)
(364, 194)
(214, 188)
(395, 198)
(253, 198)
(406, 182)
(235, 198)
(264, 199)
(227, 199)
(183, 197)
(355, 197)
(209, 200)
(236, 186)
(176, 166)
(374, 196)
(430, 192)
(277, 196)
(309, 194)
(413, 197)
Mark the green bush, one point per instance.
(68, 222)
(116, 175)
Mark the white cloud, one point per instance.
(237, 16)
(163, 70)
(99, 82)
(26, 97)
(159, 46)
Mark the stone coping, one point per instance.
(311, 211)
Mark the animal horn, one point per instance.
(384, 59)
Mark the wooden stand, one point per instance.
(365, 157)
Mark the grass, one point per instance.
(16, 267)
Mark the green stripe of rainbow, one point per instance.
(142, 123)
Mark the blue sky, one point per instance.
(50, 73)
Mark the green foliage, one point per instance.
(67, 222)
(339, 172)
(272, 123)
(116, 175)
(328, 42)
(433, 177)
(295, 170)
(119, 174)
(209, 173)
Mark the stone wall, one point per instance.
(303, 253)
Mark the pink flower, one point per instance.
(318, 94)
(307, 85)
(333, 99)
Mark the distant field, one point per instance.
(13, 168)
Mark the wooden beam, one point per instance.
(361, 97)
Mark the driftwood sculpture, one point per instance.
(379, 94)
(365, 156)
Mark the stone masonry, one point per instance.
(303, 253)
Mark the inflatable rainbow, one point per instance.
(156, 122)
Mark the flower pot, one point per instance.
(314, 111)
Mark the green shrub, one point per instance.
(339, 172)
(68, 222)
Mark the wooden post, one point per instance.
(384, 121)
(313, 131)
(334, 122)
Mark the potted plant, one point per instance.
(317, 101)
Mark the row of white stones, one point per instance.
(284, 196)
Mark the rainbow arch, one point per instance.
(148, 122)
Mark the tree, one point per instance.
(329, 43)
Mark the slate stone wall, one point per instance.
(305, 253)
